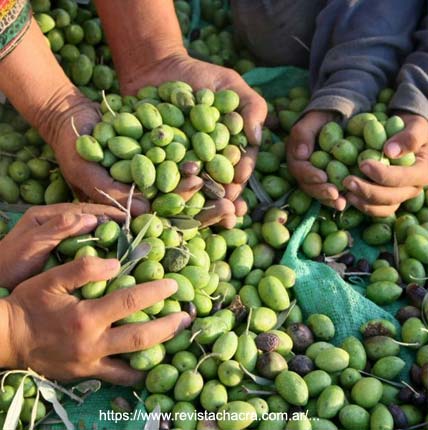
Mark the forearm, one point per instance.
(6, 354)
(356, 51)
(412, 83)
(147, 33)
(34, 82)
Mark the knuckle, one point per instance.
(80, 322)
(86, 265)
(139, 341)
(130, 301)
(64, 221)
(31, 212)
(412, 142)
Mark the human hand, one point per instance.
(55, 334)
(299, 149)
(84, 177)
(392, 185)
(25, 250)
(253, 109)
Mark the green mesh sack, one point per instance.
(320, 289)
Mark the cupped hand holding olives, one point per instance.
(48, 329)
(25, 250)
(253, 109)
(392, 185)
(300, 147)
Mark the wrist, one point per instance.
(51, 116)
(8, 359)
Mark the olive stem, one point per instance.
(73, 126)
(201, 348)
(128, 209)
(247, 329)
(194, 335)
(205, 357)
(387, 381)
(107, 196)
(257, 379)
(415, 278)
(88, 239)
(406, 344)
(210, 297)
(410, 388)
(103, 93)
(417, 426)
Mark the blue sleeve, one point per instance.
(357, 49)
(412, 83)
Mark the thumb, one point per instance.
(253, 109)
(304, 133)
(411, 139)
(47, 236)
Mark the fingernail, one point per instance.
(351, 186)
(302, 151)
(393, 149)
(365, 168)
(112, 263)
(258, 133)
(89, 219)
(185, 322)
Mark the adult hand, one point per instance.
(57, 335)
(252, 107)
(84, 177)
(392, 185)
(299, 149)
(25, 250)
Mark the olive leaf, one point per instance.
(123, 243)
(184, 222)
(339, 268)
(49, 394)
(211, 188)
(153, 422)
(14, 411)
(34, 411)
(396, 252)
(90, 386)
(260, 193)
(282, 317)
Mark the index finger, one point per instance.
(411, 139)
(252, 106)
(96, 179)
(399, 176)
(36, 216)
(70, 276)
(121, 303)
